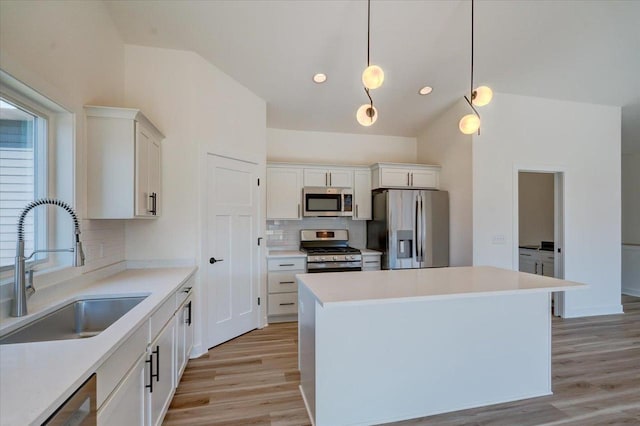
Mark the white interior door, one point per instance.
(232, 230)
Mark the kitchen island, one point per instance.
(384, 346)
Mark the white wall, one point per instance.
(71, 53)
(583, 141)
(442, 143)
(631, 200)
(535, 207)
(338, 148)
(200, 110)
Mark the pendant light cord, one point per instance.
(368, 29)
(471, 91)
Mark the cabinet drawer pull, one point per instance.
(522, 254)
(287, 304)
(150, 362)
(188, 321)
(157, 375)
(286, 264)
(287, 282)
(371, 261)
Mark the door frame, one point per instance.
(204, 248)
(559, 209)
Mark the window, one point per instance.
(23, 171)
(37, 141)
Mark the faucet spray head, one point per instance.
(78, 258)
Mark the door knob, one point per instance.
(214, 260)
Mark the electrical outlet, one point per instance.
(498, 239)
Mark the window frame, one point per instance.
(44, 180)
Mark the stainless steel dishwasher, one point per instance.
(79, 409)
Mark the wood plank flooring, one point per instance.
(253, 380)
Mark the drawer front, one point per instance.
(547, 257)
(283, 303)
(282, 282)
(287, 264)
(184, 292)
(371, 263)
(161, 317)
(117, 365)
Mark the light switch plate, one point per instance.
(498, 239)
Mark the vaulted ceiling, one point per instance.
(585, 51)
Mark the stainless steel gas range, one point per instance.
(328, 251)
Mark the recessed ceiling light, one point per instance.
(425, 90)
(320, 78)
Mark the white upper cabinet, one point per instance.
(124, 164)
(397, 175)
(362, 194)
(328, 177)
(284, 192)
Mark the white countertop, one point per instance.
(418, 284)
(369, 252)
(274, 254)
(37, 377)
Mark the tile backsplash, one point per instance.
(285, 234)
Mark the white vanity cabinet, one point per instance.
(284, 192)
(123, 164)
(335, 177)
(137, 382)
(362, 194)
(282, 288)
(399, 175)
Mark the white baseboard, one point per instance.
(631, 291)
(593, 311)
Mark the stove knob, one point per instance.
(348, 257)
(335, 257)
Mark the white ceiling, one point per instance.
(586, 51)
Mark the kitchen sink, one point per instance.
(77, 320)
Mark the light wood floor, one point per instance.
(253, 380)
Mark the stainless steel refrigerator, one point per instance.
(410, 227)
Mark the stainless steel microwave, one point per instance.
(332, 201)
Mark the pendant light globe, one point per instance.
(367, 115)
(372, 77)
(482, 96)
(469, 124)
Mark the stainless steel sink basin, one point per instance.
(77, 320)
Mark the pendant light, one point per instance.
(372, 78)
(481, 96)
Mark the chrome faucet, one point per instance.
(20, 290)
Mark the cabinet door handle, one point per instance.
(542, 264)
(157, 375)
(408, 180)
(287, 282)
(154, 198)
(298, 209)
(536, 268)
(330, 180)
(411, 179)
(287, 304)
(326, 179)
(356, 211)
(150, 362)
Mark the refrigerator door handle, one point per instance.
(418, 241)
(423, 231)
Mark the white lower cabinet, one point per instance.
(539, 262)
(282, 300)
(160, 374)
(127, 404)
(137, 382)
(371, 261)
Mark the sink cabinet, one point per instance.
(123, 163)
(137, 382)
